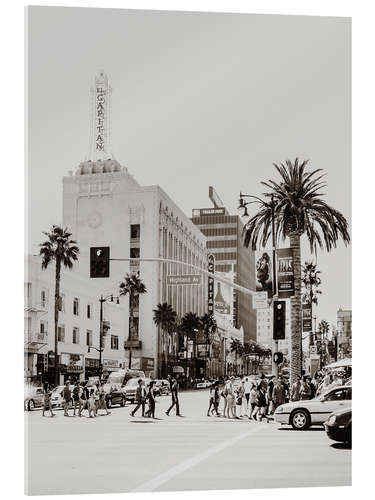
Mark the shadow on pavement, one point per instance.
(311, 429)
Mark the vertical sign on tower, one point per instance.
(100, 116)
(211, 284)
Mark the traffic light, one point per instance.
(279, 320)
(99, 262)
(278, 357)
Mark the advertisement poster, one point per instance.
(306, 318)
(264, 271)
(210, 291)
(285, 273)
(223, 301)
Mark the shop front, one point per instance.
(109, 366)
(91, 368)
(71, 367)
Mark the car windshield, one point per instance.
(133, 382)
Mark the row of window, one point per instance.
(76, 336)
(222, 244)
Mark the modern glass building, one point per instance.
(224, 240)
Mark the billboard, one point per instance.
(223, 297)
(264, 272)
(306, 318)
(285, 273)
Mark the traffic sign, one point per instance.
(184, 279)
(260, 300)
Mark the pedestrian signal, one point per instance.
(279, 320)
(278, 357)
(99, 262)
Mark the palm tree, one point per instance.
(59, 247)
(311, 282)
(237, 348)
(165, 317)
(134, 287)
(190, 326)
(298, 209)
(209, 327)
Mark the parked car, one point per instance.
(162, 387)
(57, 400)
(302, 414)
(131, 385)
(122, 376)
(339, 426)
(115, 395)
(34, 398)
(203, 385)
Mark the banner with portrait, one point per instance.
(264, 272)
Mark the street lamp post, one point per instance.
(270, 205)
(102, 299)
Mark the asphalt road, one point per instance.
(117, 453)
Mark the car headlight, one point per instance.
(331, 420)
(279, 409)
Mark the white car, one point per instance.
(57, 400)
(301, 414)
(203, 385)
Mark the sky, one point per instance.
(198, 99)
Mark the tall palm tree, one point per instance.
(298, 209)
(134, 287)
(310, 282)
(190, 326)
(209, 327)
(165, 317)
(59, 247)
(237, 348)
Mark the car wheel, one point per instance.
(300, 420)
(30, 405)
(109, 403)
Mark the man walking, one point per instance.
(278, 394)
(174, 393)
(295, 390)
(77, 398)
(140, 397)
(247, 389)
(67, 397)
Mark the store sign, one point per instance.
(71, 362)
(100, 116)
(285, 273)
(110, 363)
(184, 279)
(147, 364)
(306, 318)
(211, 284)
(264, 272)
(91, 363)
(260, 300)
(202, 351)
(209, 211)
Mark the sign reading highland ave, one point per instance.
(184, 279)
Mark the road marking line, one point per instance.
(191, 462)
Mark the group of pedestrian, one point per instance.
(148, 395)
(79, 398)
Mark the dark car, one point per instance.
(162, 387)
(115, 395)
(339, 426)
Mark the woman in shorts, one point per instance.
(47, 405)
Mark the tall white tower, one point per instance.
(100, 147)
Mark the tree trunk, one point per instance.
(56, 318)
(296, 312)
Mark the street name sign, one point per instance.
(184, 279)
(260, 300)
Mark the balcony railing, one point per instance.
(36, 337)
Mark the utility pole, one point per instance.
(275, 343)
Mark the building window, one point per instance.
(27, 291)
(75, 335)
(135, 253)
(135, 231)
(76, 306)
(89, 337)
(114, 342)
(61, 333)
(43, 326)
(89, 311)
(44, 298)
(62, 303)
